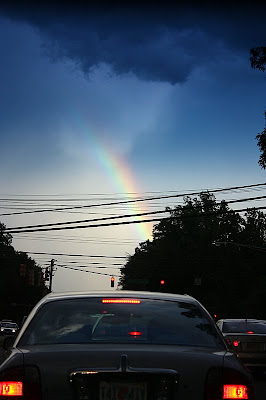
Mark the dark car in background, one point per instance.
(122, 345)
(247, 337)
(8, 328)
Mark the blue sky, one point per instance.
(168, 90)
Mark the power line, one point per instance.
(11, 230)
(70, 255)
(137, 200)
(121, 194)
(88, 272)
(133, 222)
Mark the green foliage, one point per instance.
(261, 142)
(182, 252)
(258, 61)
(258, 58)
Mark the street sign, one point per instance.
(197, 281)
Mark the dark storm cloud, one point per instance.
(159, 44)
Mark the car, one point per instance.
(8, 327)
(247, 337)
(121, 345)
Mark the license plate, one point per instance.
(256, 346)
(122, 391)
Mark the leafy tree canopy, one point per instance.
(258, 61)
(17, 293)
(183, 253)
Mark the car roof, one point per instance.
(118, 293)
(241, 320)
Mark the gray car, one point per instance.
(247, 337)
(122, 345)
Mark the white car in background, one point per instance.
(247, 337)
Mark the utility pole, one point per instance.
(51, 274)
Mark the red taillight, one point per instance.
(250, 332)
(10, 388)
(120, 301)
(235, 343)
(235, 392)
(228, 384)
(21, 383)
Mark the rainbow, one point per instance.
(119, 173)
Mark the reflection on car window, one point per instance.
(244, 326)
(91, 321)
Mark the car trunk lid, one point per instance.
(70, 371)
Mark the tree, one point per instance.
(258, 61)
(182, 252)
(18, 291)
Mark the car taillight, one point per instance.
(235, 392)
(10, 388)
(20, 383)
(135, 333)
(236, 343)
(228, 384)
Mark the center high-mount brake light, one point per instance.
(235, 392)
(135, 333)
(11, 388)
(120, 301)
(250, 332)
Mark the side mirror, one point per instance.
(8, 342)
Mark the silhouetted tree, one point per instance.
(258, 61)
(17, 293)
(226, 279)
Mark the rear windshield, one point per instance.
(89, 320)
(244, 327)
(8, 325)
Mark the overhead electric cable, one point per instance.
(89, 272)
(137, 200)
(70, 255)
(133, 222)
(123, 216)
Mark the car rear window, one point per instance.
(91, 320)
(244, 327)
(8, 325)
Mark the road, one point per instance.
(260, 381)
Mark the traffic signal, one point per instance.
(47, 274)
(31, 277)
(40, 281)
(22, 270)
(162, 282)
(112, 281)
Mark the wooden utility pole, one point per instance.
(51, 274)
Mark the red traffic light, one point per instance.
(112, 281)
(162, 282)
